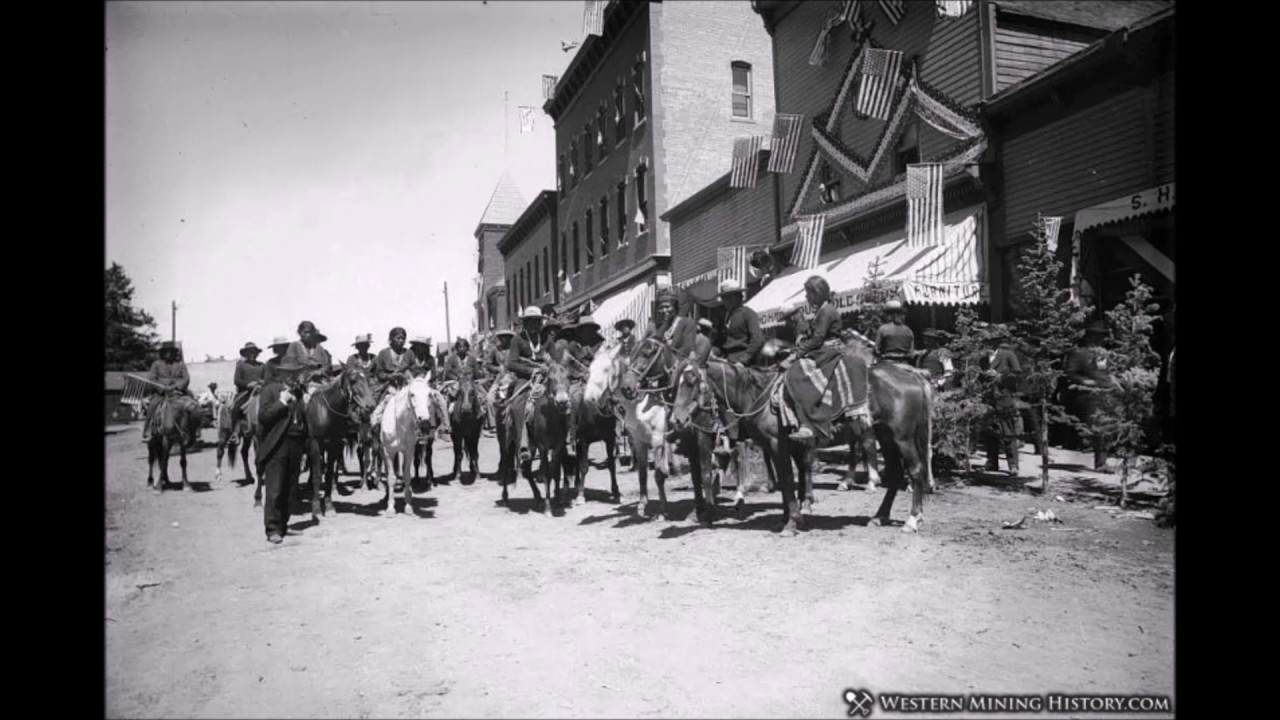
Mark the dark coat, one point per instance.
(742, 336)
(276, 420)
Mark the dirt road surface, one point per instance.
(463, 608)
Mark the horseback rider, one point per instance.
(626, 336)
(526, 351)
(495, 366)
(742, 337)
(170, 373)
(821, 356)
(392, 369)
(460, 366)
(679, 333)
(309, 352)
(424, 362)
(584, 342)
(362, 358)
(248, 377)
(894, 340)
(278, 347)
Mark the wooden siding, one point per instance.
(1024, 48)
(1088, 156)
(948, 51)
(743, 216)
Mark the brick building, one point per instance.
(505, 205)
(851, 167)
(645, 116)
(529, 254)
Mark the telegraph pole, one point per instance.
(173, 321)
(447, 336)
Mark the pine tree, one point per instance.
(130, 331)
(958, 412)
(1127, 413)
(1049, 324)
(876, 291)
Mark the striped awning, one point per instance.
(635, 303)
(950, 273)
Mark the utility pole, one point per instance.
(505, 142)
(173, 321)
(447, 336)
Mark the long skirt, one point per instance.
(825, 385)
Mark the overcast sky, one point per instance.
(274, 162)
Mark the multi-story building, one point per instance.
(852, 165)
(505, 205)
(645, 116)
(529, 254)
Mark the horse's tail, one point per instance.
(924, 434)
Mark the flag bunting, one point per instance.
(1051, 227)
(895, 10)
(785, 142)
(549, 86)
(593, 18)
(880, 72)
(808, 245)
(924, 204)
(526, 119)
(819, 54)
(746, 163)
(731, 264)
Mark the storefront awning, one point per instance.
(1147, 202)
(635, 303)
(951, 273)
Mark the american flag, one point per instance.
(785, 143)
(731, 264)
(1051, 227)
(593, 17)
(894, 10)
(954, 8)
(526, 119)
(549, 86)
(745, 163)
(819, 54)
(808, 241)
(880, 69)
(924, 205)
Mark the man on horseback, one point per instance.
(672, 329)
(821, 368)
(460, 367)
(937, 359)
(742, 336)
(308, 352)
(894, 340)
(392, 369)
(248, 377)
(170, 373)
(626, 336)
(527, 350)
(582, 344)
(362, 358)
(495, 365)
(423, 361)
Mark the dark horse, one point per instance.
(166, 433)
(330, 412)
(694, 426)
(547, 431)
(465, 420)
(596, 422)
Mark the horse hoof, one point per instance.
(881, 521)
(912, 525)
(788, 531)
(388, 513)
(187, 488)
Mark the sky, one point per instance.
(273, 162)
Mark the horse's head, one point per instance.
(653, 356)
(355, 382)
(420, 400)
(602, 375)
(464, 400)
(558, 385)
(693, 393)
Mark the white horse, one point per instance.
(405, 412)
(644, 420)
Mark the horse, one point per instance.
(596, 422)
(165, 434)
(465, 420)
(695, 433)
(329, 412)
(363, 444)
(408, 412)
(547, 429)
(644, 419)
(229, 435)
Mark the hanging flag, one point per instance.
(526, 119)
(731, 264)
(880, 70)
(808, 241)
(785, 142)
(1051, 227)
(640, 220)
(954, 8)
(549, 86)
(593, 18)
(819, 54)
(566, 287)
(746, 163)
(894, 10)
(600, 133)
(924, 205)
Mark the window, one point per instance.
(564, 253)
(587, 142)
(511, 294)
(830, 186)
(908, 152)
(642, 198)
(620, 111)
(573, 164)
(604, 227)
(520, 303)
(537, 277)
(560, 174)
(528, 283)
(577, 268)
(741, 89)
(620, 200)
(591, 242)
(546, 267)
(602, 124)
(637, 88)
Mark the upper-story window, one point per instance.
(604, 226)
(741, 89)
(908, 152)
(573, 164)
(560, 174)
(588, 139)
(602, 125)
(637, 88)
(564, 253)
(511, 295)
(620, 200)
(577, 267)
(537, 277)
(591, 241)
(642, 199)
(546, 268)
(830, 187)
(620, 110)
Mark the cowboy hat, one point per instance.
(624, 323)
(893, 306)
(420, 340)
(250, 349)
(533, 312)
(705, 323)
(729, 286)
(279, 341)
(587, 321)
(667, 294)
(366, 339)
(504, 333)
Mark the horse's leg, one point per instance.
(782, 454)
(473, 451)
(182, 463)
(695, 477)
(661, 465)
(546, 475)
(870, 454)
(165, 448)
(408, 488)
(580, 465)
(222, 449)
(245, 442)
(458, 448)
(152, 457)
(916, 455)
(388, 482)
(893, 468)
(640, 461)
(611, 457)
(804, 464)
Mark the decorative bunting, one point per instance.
(808, 245)
(593, 18)
(746, 163)
(819, 54)
(785, 142)
(549, 86)
(924, 204)
(895, 10)
(880, 73)
(526, 119)
(954, 8)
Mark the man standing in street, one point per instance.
(282, 435)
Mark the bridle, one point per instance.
(345, 380)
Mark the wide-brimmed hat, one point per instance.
(504, 333)
(705, 323)
(280, 340)
(550, 325)
(586, 321)
(420, 340)
(532, 312)
(249, 349)
(366, 339)
(730, 286)
(893, 306)
(624, 323)
(667, 294)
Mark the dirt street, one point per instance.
(463, 608)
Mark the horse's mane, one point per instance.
(745, 380)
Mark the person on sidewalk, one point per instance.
(1005, 429)
(282, 438)
(1088, 378)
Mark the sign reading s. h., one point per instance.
(1155, 197)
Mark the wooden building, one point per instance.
(529, 253)
(645, 116)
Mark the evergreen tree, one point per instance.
(130, 331)
(1049, 324)
(959, 411)
(876, 291)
